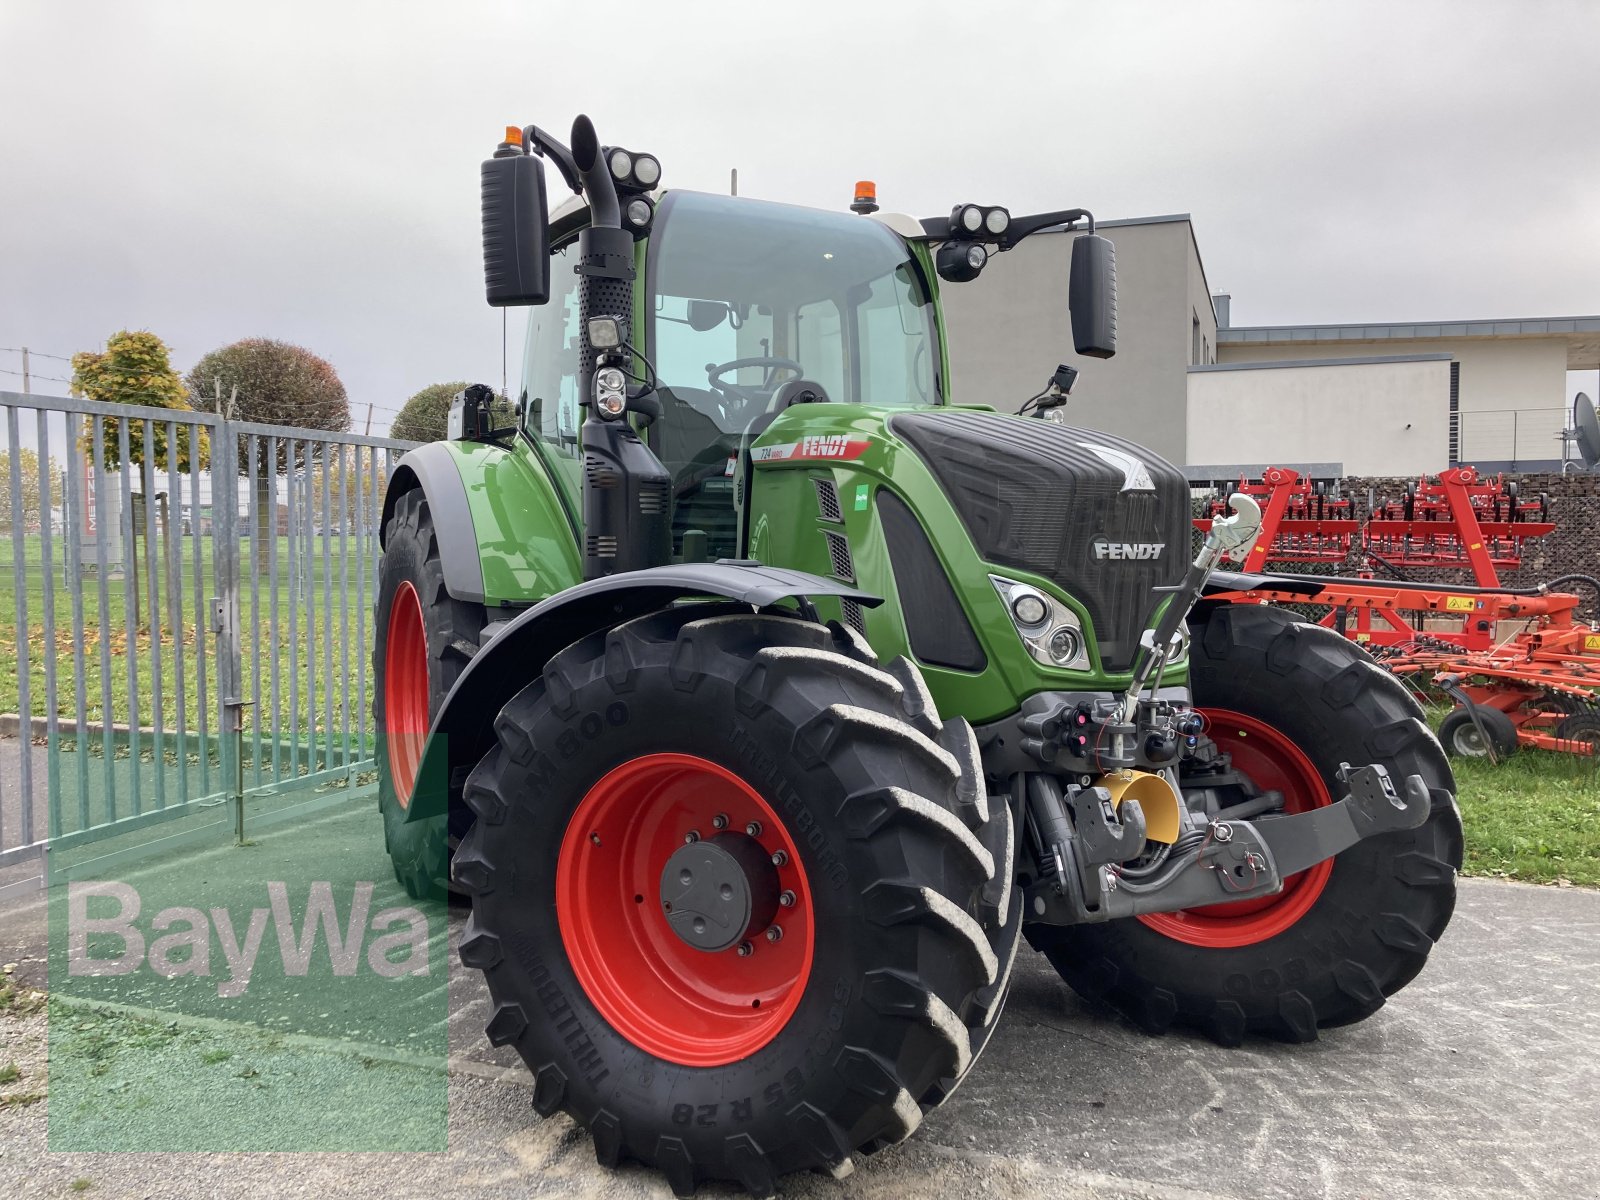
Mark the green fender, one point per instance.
(507, 535)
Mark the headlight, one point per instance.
(621, 164)
(1065, 643)
(610, 392)
(1050, 630)
(976, 257)
(997, 220)
(1029, 608)
(647, 170)
(972, 218)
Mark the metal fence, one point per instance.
(189, 618)
(1510, 438)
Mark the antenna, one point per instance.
(1586, 426)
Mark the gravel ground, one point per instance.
(1479, 1082)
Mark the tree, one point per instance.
(272, 383)
(28, 465)
(422, 418)
(136, 368)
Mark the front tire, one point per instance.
(1292, 701)
(773, 739)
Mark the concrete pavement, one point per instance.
(1479, 1080)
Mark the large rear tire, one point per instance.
(425, 639)
(1291, 701)
(780, 742)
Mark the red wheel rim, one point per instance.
(685, 1005)
(1274, 763)
(405, 690)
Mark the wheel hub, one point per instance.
(716, 893)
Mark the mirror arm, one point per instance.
(937, 229)
(1022, 227)
(547, 147)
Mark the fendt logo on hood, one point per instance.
(1128, 551)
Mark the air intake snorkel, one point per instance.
(627, 493)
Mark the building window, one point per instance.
(1205, 350)
(1194, 340)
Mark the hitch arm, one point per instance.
(1238, 860)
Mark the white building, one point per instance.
(1367, 399)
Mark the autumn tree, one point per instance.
(136, 368)
(28, 471)
(273, 383)
(422, 418)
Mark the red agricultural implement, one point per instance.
(1521, 665)
(1453, 521)
(1301, 521)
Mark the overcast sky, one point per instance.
(220, 170)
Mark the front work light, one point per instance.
(633, 172)
(638, 213)
(959, 262)
(605, 333)
(978, 221)
(646, 170)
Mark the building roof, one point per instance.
(1581, 334)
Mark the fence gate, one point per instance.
(188, 627)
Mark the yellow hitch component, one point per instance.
(1155, 795)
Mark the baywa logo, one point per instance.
(1128, 551)
(184, 946)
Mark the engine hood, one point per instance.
(1105, 519)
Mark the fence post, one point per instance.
(225, 613)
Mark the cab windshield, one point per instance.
(746, 296)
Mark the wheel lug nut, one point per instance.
(780, 858)
(775, 934)
(691, 837)
(753, 829)
(786, 898)
(746, 949)
(595, 838)
(719, 821)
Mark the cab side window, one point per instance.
(550, 360)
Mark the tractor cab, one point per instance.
(748, 306)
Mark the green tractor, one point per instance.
(761, 701)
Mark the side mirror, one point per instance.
(1092, 296)
(516, 231)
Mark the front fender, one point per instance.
(463, 731)
(505, 535)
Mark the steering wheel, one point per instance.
(746, 395)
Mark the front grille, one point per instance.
(828, 501)
(1039, 497)
(839, 552)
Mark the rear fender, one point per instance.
(463, 732)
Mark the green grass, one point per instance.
(9, 1073)
(1534, 817)
(160, 637)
